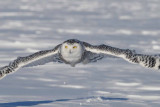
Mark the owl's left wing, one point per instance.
(149, 61)
(94, 57)
(38, 58)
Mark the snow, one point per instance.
(28, 26)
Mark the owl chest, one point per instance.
(71, 58)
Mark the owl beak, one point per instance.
(70, 51)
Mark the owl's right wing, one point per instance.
(149, 61)
(38, 58)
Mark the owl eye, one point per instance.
(66, 47)
(74, 47)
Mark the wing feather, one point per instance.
(42, 61)
(150, 61)
(38, 58)
(94, 57)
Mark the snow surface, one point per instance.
(27, 26)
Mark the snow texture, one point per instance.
(28, 26)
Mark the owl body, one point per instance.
(74, 51)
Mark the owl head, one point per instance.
(72, 50)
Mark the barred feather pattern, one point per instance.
(105, 49)
(149, 61)
(22, 61)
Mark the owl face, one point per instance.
(71, 52)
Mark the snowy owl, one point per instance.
(74, 51)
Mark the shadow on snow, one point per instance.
(33, 103)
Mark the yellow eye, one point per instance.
(74, 47)
(66, 47)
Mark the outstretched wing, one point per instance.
(38, 58)
(42, 61)
(150, 61)
(94, 57)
